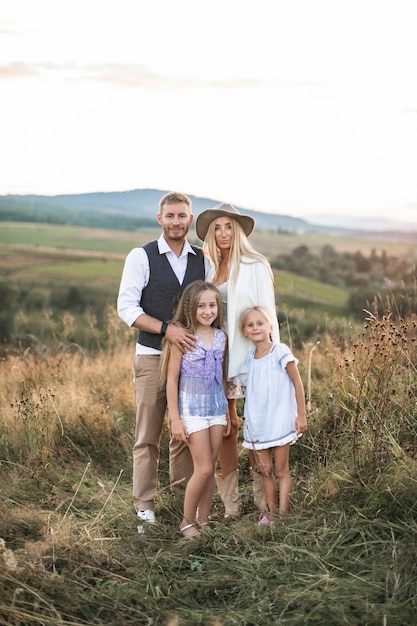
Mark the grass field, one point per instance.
(39, 267)
(120, 242)
(70, 553)
(345, 555)
(44, 253)
(288, 284)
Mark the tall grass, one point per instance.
(61, 396)
(346, 553)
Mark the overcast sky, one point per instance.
(297, 107)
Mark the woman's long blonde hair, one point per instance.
(185, 317)
(240, 247)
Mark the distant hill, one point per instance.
(122, 210)
(130, 210)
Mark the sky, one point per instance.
(299, 107)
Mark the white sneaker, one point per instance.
(148, 517)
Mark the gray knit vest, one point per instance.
(161, 294)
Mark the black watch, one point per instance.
(164, 329)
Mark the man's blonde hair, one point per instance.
(174, 197)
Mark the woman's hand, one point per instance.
(227, 428)
(234, 424)
(181, 338)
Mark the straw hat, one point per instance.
(222, 210)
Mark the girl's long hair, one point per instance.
(240, 247)
(185, 317)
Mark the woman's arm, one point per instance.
(229, 424)
(294, 374)
(178, 430)
(266, 296)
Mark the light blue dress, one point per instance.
(270, 407)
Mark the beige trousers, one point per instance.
(150, 413)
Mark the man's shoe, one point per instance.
(146, 517)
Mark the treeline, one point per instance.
(35, 210)
(372, 280)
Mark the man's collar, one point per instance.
(163, 247)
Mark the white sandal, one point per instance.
(190, 535)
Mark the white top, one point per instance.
(223, 293)
(135, 277)
(253, 288)
(270, 407)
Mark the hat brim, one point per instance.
(206, 217)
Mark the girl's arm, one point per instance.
(294, 374)
(178, 430)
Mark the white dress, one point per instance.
(253, 287)
(270, 407)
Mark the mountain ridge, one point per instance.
(138, 207)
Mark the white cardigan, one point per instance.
(252, 288)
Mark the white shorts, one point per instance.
(194, 424)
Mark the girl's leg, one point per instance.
(268, 480)
(199, 444)
(282, 470)
(229, 451)
(206, 499)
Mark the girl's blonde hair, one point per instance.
(185, 316)
(260, 309)
(240, 247)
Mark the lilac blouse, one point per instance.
(201, 391)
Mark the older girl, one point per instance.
(196, 398)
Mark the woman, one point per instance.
(245, 279)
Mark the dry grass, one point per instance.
(346, 554)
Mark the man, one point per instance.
(152, 279)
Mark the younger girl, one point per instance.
(275, 413)
(196, 398)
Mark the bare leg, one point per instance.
(206, 499)
(282, 470)
(268, 481)
(204, 448)
(229, 451)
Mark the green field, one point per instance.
(73, 237)
(69, 549)
(287, 283)
(269, 243)
(56, 257)
(42, 267)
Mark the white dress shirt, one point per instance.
(135, 277)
